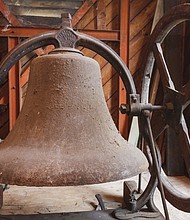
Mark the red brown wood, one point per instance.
(89, 21)
(8, 14)
(13, 87)
(4, 94)
(124, 54)
(82, 11)
(101, 15)
(107, 35)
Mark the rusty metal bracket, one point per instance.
(125, 214)
(135, 107)
(129, 191)
(174, 101)
(100, 201)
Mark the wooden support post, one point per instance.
(14, 87)
(124, 54)
(105, 35)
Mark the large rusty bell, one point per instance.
(64, 134)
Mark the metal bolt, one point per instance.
(169, 106)
(134, 98)
(124, 109)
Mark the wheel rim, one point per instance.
(154, 54)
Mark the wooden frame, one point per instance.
(124, 54)
(105, 35)
(82, 11)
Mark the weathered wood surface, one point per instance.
(141, 18)
(28, 200)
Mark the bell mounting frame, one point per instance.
(68, 38)
(174, 103)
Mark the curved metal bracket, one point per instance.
(67, 37)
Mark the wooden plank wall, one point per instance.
(141, 18)
(109, 76)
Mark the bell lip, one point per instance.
(77, 182)
(65, 50)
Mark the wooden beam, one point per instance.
(104, 35)
(101, 15)
(8, 14)
(107, 35)
(124, 54)
(82, 11)
(14, 87)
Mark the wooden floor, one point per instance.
(28, 200)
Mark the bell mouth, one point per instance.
(66, 50)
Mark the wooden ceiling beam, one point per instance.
(11, 18)
(106, 35)
(82, 11)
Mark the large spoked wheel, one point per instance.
(174, 101)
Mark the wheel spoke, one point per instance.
(176, 101)
(185, 143)
(186, 90)
(162, 66)
(154, 87)
(147, 78)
